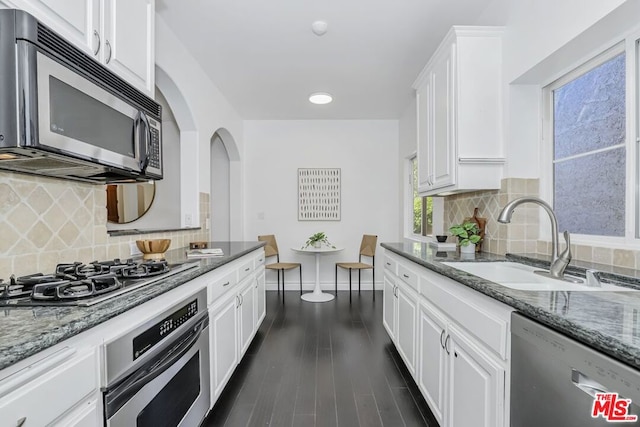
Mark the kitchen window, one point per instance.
(587, 153)
(421, 208)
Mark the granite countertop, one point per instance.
(135, 231)
(606, 321)
(25, 331)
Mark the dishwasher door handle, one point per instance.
(586, 384)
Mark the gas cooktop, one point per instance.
(80, 284)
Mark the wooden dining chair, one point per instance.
(271, 249)
(367, 249)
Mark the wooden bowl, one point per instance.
(154, 248)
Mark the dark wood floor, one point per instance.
(328, 364)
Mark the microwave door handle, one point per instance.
(136, 134)
(144, 159)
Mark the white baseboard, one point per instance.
(295, 286)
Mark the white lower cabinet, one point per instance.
(462, 377)
(407, 315)
(432, 358)
(224, 342)
(57, 385)
(87, 415)
(236, 310)
(260, 298)
(400, 310)
(457, 377)
(246, 306)
(476, 384)
(389, 305)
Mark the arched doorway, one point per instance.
(226, 223)
(220, 194)
(188, 136)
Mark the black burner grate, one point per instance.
(78, 280)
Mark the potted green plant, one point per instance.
(468, 234)
(316, 240)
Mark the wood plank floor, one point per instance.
(327, 364)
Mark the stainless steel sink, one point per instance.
(520, 276)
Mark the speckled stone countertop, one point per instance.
(135, 231)
(607, 321)
(25, 331)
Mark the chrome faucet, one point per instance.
(558, 262)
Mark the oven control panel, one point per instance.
(156, 333)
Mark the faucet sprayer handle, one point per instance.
(567, 250)
(564, 258)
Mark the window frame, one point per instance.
(628, 45)
(408, 205)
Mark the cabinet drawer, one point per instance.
(222, 285)
(390, 264)
(244, 270)
(483, 317)
(258, 261)
(53, 393)
(409, 276)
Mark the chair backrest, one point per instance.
(271, 248)
(368, 245)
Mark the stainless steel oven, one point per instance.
(158, 374)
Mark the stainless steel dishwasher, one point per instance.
(555, 380)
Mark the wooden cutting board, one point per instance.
(482, 224)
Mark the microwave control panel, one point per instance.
(154, 145)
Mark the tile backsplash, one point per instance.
(44, 221)
(522, 234)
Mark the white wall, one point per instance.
(365, 150)
(164, 212)
(220, 191)
(209, 111)
(537, 28)
(543, 40)
(408, 134)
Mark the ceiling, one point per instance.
(265, 59)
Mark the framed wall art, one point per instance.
(319, 194)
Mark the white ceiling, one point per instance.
(265, 59)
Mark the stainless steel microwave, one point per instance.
(64, 114)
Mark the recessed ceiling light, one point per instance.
(320, 98)
(319, 28)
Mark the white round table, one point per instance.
(317, 295)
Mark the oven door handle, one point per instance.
(117, 396)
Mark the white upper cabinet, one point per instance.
(129, 49)
(76, 20)
(459, 113)
(118, 33)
